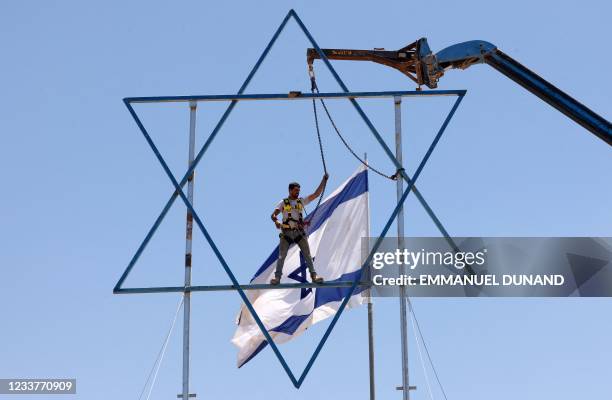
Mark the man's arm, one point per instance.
(274, 215)
(319, 190)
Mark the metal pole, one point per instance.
(400, 243)
(370, 306)
(189, 230)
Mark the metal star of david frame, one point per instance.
(234, 99)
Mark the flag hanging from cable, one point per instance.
(334, 236)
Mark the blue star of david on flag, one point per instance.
(299, 275)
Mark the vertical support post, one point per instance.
(189, 231)
(397, 100)
(370, 307)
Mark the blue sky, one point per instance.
(81, 189)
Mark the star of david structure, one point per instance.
(299, 274)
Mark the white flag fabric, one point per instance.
(334, 236)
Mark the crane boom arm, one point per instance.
(423, 67)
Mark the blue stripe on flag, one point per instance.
(353, 188)
(259, 348)
(291, 324)
(329, 295)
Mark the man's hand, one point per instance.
(278, 224)
(319, 189)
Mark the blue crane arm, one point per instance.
(465, 54)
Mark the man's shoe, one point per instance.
(316, 278)
(274, 281)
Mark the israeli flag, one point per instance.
(334, 236)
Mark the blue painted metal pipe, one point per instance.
(294, 96)
(220, 288)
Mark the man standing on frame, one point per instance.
(292, 228)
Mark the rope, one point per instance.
(416, 337)
(314, 88)
(314, 108)
(316, 118)
(416, 321)
(160, 356)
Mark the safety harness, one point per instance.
(288, 208)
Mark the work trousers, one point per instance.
(283, 248)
